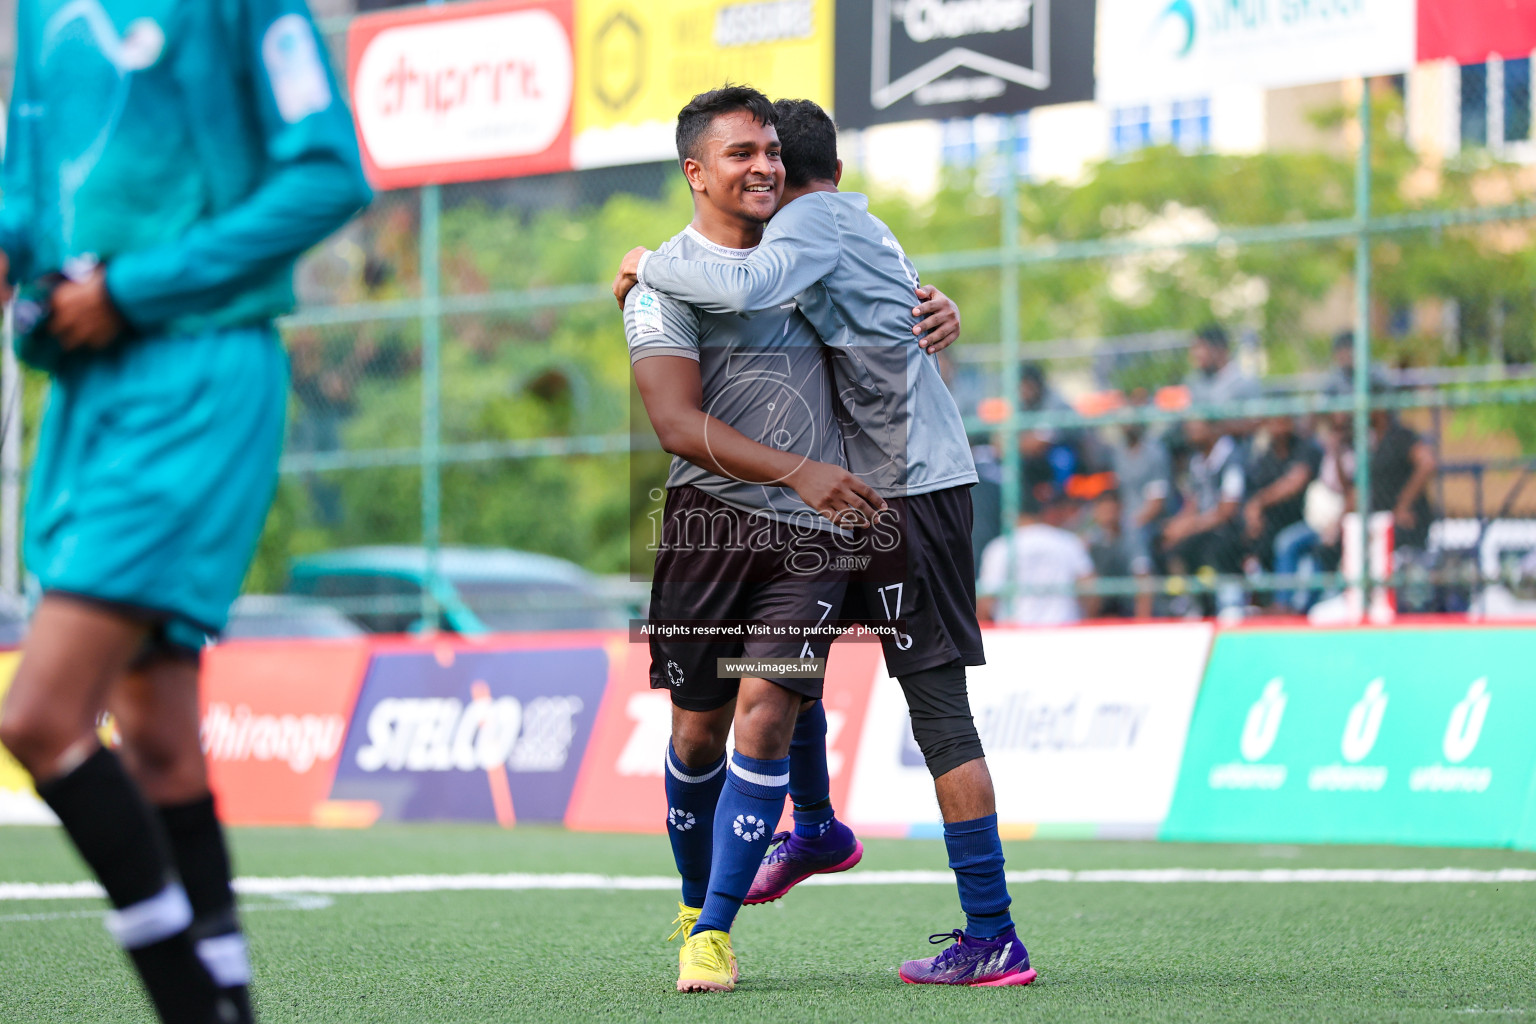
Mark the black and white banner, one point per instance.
(903, 60)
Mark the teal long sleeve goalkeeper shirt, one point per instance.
(198, 147)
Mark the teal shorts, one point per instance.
(156, 465)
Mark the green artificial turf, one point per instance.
(1105, 951)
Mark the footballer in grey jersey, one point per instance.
(766, 376)
(854, 283)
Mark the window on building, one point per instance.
(1190, 125)
(1130, 129)
(1021, 145)
(1182, 123)
(1474, 105)
(1496, 103)
(1517, 100)
(959, 143)
(970, 141)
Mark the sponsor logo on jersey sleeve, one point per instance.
(292, 58)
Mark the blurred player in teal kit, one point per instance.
(165, 165)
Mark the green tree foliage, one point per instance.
(564, 371)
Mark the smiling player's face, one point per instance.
(740, 170)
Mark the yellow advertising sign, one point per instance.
(639, 61)
(18, 802)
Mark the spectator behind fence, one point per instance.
(1214, 377)
(1206, 534)
(1402, 465)
(1279, 470)
(1049, 454)
(1039, 562)
(1342, 380)
(1144, 475)
(1305, 547)
(1113, 556)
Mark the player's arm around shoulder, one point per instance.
(800, 247)
(938, 320)
(663, 350)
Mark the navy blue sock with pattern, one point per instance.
(976, 857)
(692, 794)
(750, 808)
(810, 784)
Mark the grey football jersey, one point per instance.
(854, 283)
(766, 376)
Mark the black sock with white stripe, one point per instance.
(202, 860)
(120, 838)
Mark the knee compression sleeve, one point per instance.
(941, 717)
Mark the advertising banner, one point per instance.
(1154, 49)
(620, 788)
(1361, 736)
(639, 63)
(463, 92)
(906, 60)
(19, 804)
(1082, 726)
(1470, 31)
(275, 713)
(462, 732)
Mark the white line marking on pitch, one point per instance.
(344, 886)
(282, 901)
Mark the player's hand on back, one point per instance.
(938, 325)
(83, 313)
(836, 493)
(629, 273)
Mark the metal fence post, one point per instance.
(431, 393)
(431, 396)
(12, 401)
(1008, 320)
(1362, 418)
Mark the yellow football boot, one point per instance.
(706, 963)
(687, 917)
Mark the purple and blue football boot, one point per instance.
(991, 963)
(792, 859)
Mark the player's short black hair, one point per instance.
(1215, 336)
(807, 142)
(693, 120)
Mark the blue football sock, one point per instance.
(810, 786)
(976, 857)
(749, 811)
(691, 798)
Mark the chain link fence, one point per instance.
(1167, 371)
(1177, 336)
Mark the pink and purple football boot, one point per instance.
(991, 963)
(793, 858)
